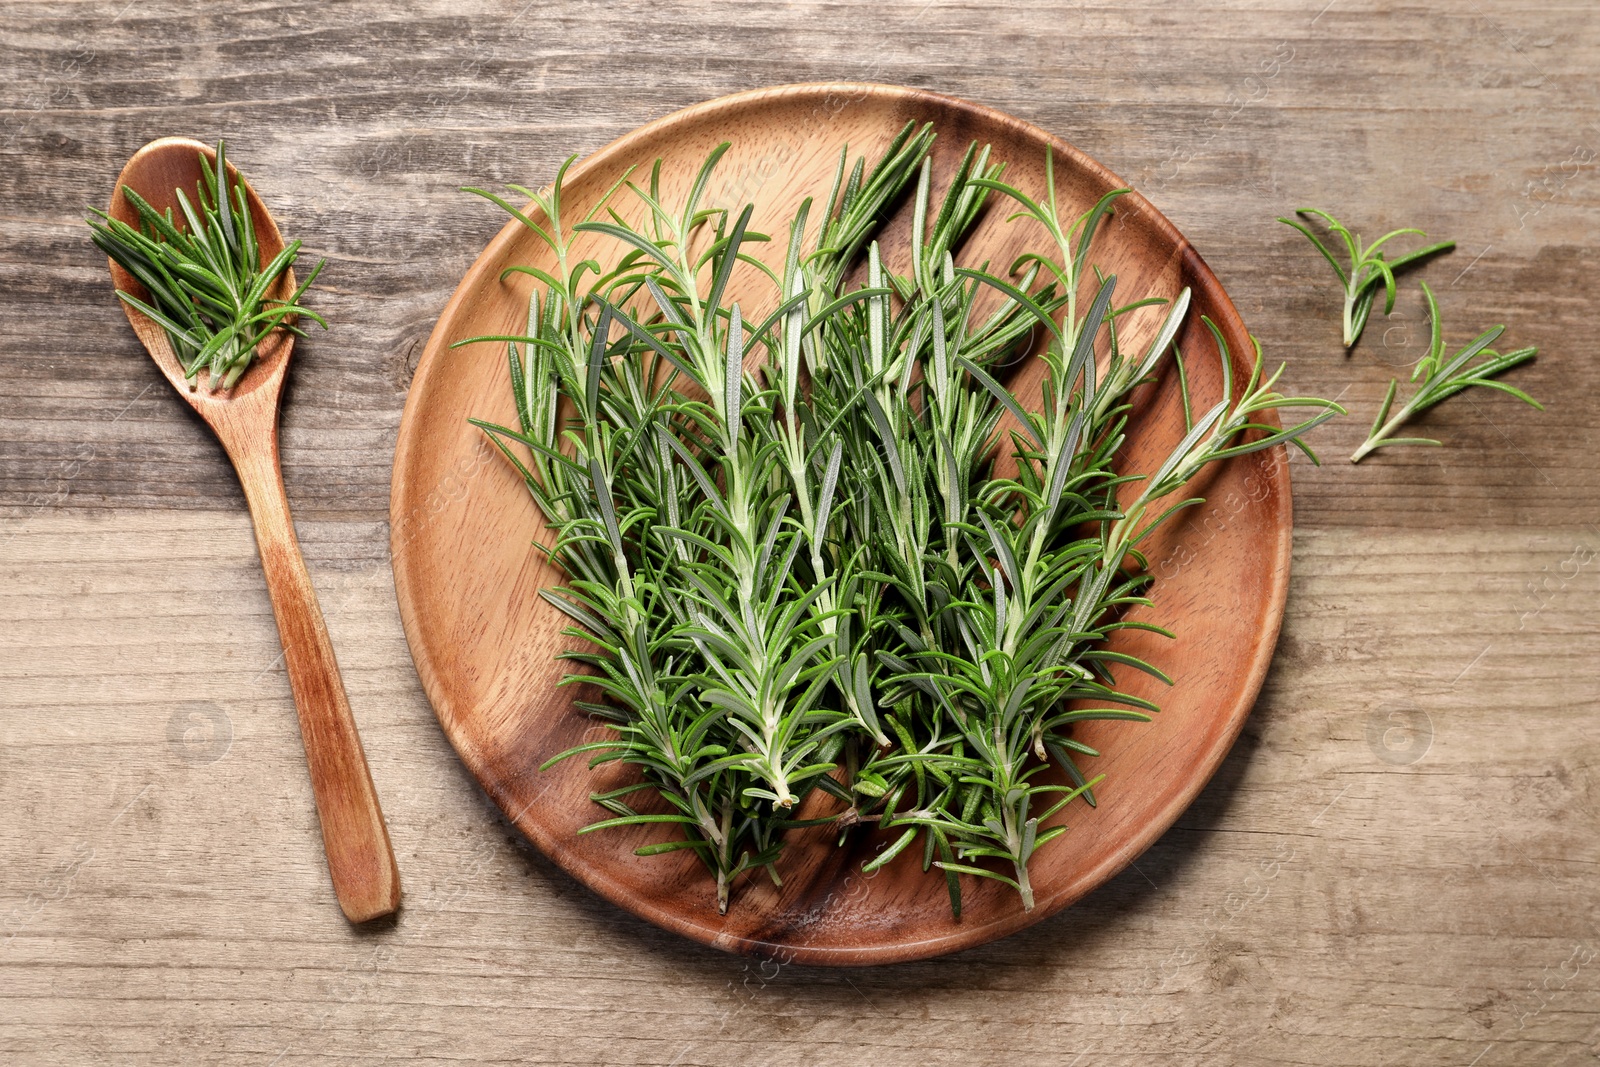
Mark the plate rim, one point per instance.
(403, 497)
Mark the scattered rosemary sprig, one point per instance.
(1367, 270)
(1442, 379)
(813, 577)
(207, 286)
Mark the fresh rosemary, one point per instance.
(207, 286)
(1367, 270)
(1442, 379)
(810, 590)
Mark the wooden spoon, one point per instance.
(245, 420)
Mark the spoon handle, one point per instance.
(360, 858)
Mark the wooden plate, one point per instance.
(467, 573)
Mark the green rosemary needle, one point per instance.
(207, 286)
(1367, 269)
(1442, 379)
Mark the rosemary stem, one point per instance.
(1375, 441)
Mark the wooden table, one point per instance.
(1396, 865)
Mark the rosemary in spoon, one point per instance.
(203, 274)
(1367, 270)
(1442, 379)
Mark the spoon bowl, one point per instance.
(156, 172)
(245, 419)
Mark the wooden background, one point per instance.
(1396, 865)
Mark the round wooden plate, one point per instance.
(468, 574)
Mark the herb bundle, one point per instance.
(207, 286)
(826, 550)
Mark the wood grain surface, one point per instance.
(1395, 865)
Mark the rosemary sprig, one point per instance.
(1442, 379)
(207, 286)
(1367, 268)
